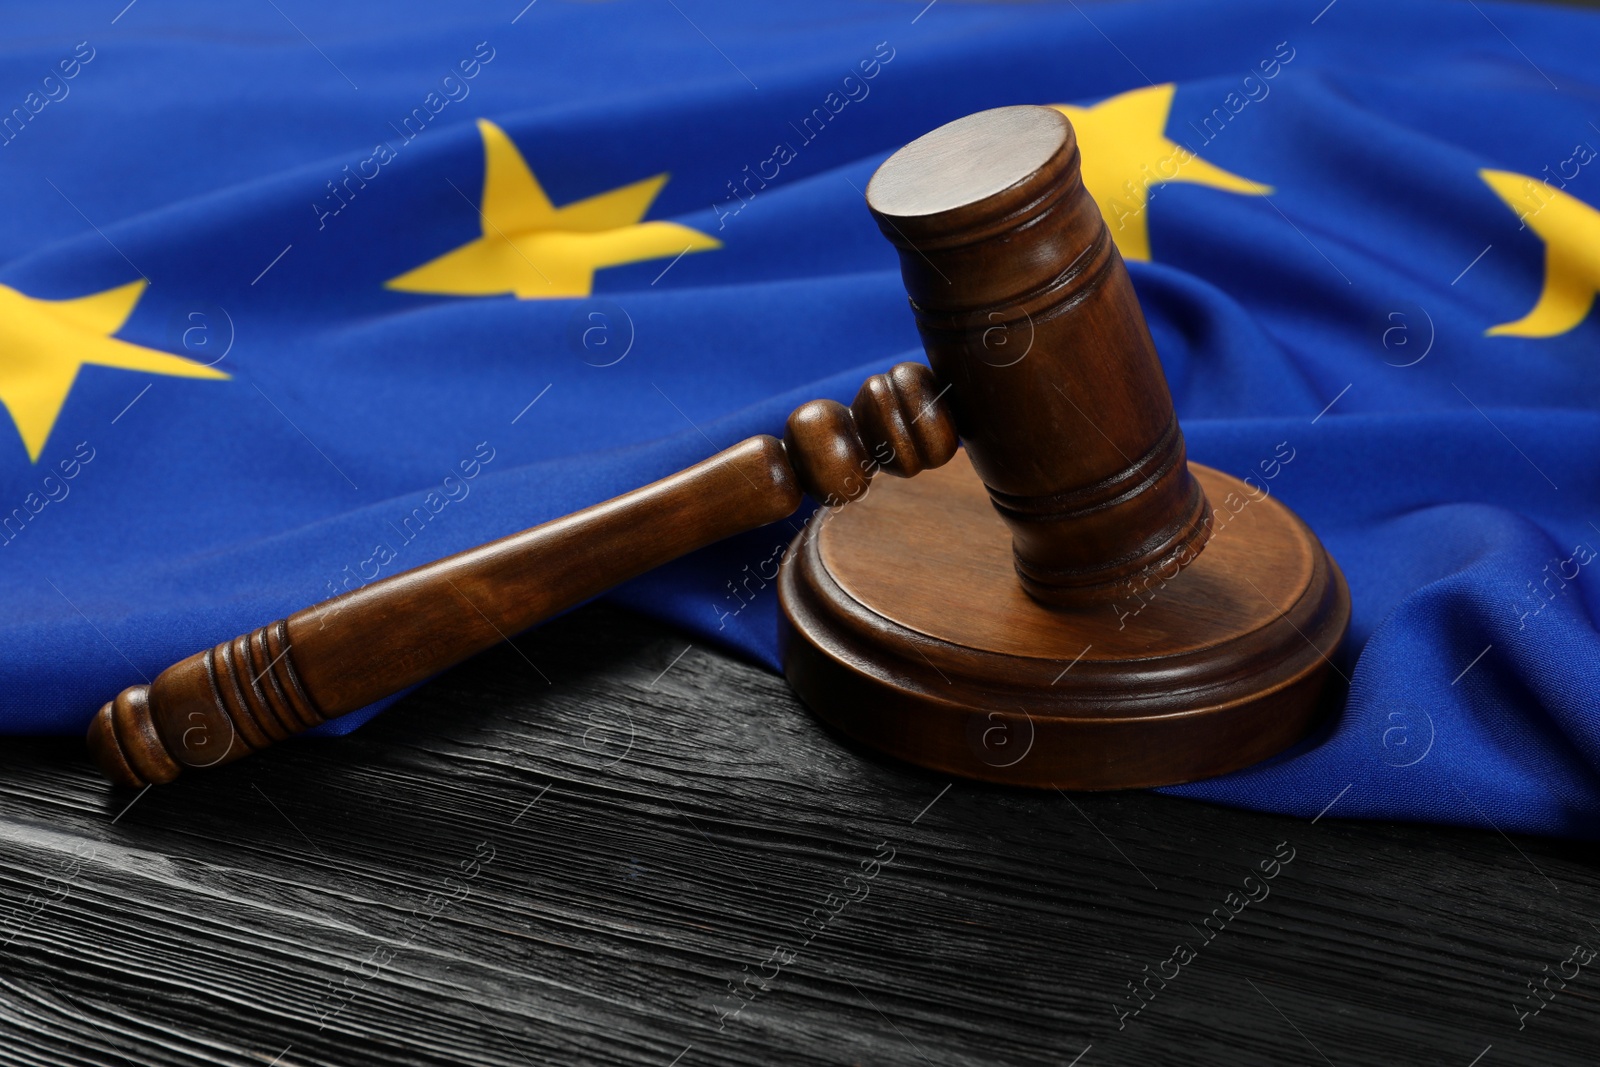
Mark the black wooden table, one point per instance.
(658, 857)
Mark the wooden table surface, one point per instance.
(658, 857)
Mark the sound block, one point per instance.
(904, 625)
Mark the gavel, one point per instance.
(1063, 600)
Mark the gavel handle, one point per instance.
(346, 653)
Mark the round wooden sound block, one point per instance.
(905, 626)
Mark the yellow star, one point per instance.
(1126, 152)
(44, 342)
(1571, 232)
(536, 250)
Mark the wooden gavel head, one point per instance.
(1029, 316)
(1037, 611)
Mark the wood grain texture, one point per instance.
(904, 625)
(226, 918)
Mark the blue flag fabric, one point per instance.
(264, 335)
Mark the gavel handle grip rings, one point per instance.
(346, 653)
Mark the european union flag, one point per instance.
(296, 297)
